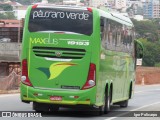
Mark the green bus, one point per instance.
(77, 56)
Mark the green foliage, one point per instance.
(6, 7)
(151, 53)
(148, 34)
(2, 16)
(157, 65)
(7, 15)
(147, 29)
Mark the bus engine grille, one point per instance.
(57, 52)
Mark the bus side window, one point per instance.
(118, 38)
(102, 32)
(102, 25)
(112, 35)
(127, 39)
(108, 34)
(119, 35)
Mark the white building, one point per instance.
(44, 1)
(110, 3)
(96, 3)
(19, 14)
(71, 2)
(120, 4)
(138, 17)
(18, 9)
(135, 2)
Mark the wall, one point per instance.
(150, 75)
(10, 52)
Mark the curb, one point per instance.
(9, 91)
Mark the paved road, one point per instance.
(146, 98)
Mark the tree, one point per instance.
(6, 7)
(151, 52)
(146, 29)
(10, 15)
(7, 15)
(2, 16)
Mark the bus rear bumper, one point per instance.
(69, 97)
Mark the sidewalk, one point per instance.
(9, 92)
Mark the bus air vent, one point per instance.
(56, 52)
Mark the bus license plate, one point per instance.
(55, 98)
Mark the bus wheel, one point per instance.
(40, 107)
(107, 105)
(124, 104)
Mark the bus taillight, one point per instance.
(34, 6)
(25, 80)
(91, 80)
(89, 9)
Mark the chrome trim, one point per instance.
(58, 59)
(58, 89)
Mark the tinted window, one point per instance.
(60, 19)
(116, 36)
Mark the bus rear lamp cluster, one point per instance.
(91, 77)
(25, 80)
(91, 82)
(89, 9)
(75, 97)
(34, 6)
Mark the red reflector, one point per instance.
(60, 32)
(76, 97)
(35, 94)
(34, 6)
(89, 9)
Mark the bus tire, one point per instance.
(124, 104)
(107, 105)
(130, 91)
(104, 109)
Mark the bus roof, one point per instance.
(59, 6)
(116, 17)
(113, 16)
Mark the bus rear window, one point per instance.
(61, 20)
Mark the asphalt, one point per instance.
(146, 100)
